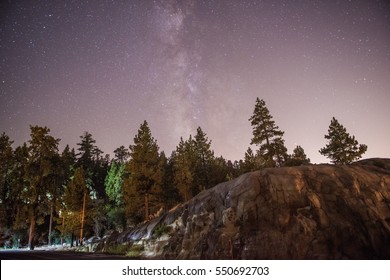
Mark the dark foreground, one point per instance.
(55, 255)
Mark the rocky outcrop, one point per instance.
(307, 212)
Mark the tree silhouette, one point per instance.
(297, 158)
(204, 160)
(341, 148)
(267, 136)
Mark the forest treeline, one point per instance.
(49, 196)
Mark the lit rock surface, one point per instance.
(306, 212)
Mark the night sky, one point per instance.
(105, 66)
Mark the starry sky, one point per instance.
(105, 66)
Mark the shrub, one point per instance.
(161, 230)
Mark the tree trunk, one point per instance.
(31, 232)
(63, 229)
(71, 239)
(146, 204)
(50, 225)
(82, 218)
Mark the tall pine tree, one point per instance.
(86, 151)
(78, 205)
(143, 170)
(94, 165)
(267, 136)
(204, 160)
(6, 166)
(17, 199)
(42, 150)
(55, 184)
(183, 177)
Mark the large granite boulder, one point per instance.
(306, 212)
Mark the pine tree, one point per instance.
(6, 166)
(182, 170)
(251, 161)
(298, 157)
(121, 154)
(78, 203)
(86, 151)
(144, 172)
(267, 136)
(17, 203)
(97, 154)
(234, 169)
(219, 171)
(68, 161)
(94, 165)
(169, 193)
(341, 148)
(67, 165)
(114, 183)
(166, 194)
(55, 184)
(100, 169)
(42, 150)
(204, 160)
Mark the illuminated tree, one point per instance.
(341, 148)
(114, 183)
(114, 190)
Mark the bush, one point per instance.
(161, 230)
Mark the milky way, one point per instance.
(105, 66)
(177, 66)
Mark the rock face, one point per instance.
(307, 212)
